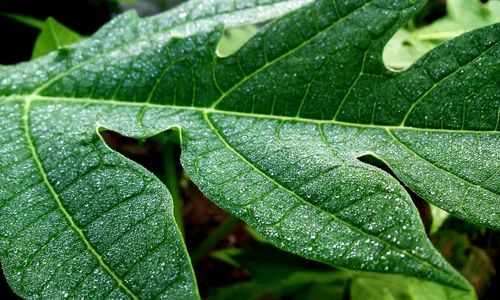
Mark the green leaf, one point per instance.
(271, 133)
(53, 36)
(235, 38)
(462, 15)
(382, 287)
(277, 273)
(79, 220)
(27, 20)
(438, 218)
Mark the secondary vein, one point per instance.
(61, 207)
(304, 201)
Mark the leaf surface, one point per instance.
(79, 220)
(271, 133)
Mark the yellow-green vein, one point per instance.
(61, 207)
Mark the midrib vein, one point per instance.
(61, 207)
(118, 103)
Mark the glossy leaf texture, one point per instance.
(77, 219)
(272, 133)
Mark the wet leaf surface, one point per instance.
(271, 133)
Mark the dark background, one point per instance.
(17, 40)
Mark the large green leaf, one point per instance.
(271, 133)
(79, 220)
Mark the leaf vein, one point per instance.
(436, 84)
(61, 207)
(293, 194)
(416, 154)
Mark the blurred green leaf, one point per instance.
(277, 273)
(387, 286)
(377, 286)
(438, 218)
(424, 290)
(404, 49)
(26, 20)
(53, 36)
(234, 38)
(462, 15)
(301, 285)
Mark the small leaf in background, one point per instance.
(462, 16)
(279, 274)
(410, 44)
(438, 218)
(54, 36)
(384, 286)
(234, 38)
(26, 20)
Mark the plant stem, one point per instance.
(213, 238)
